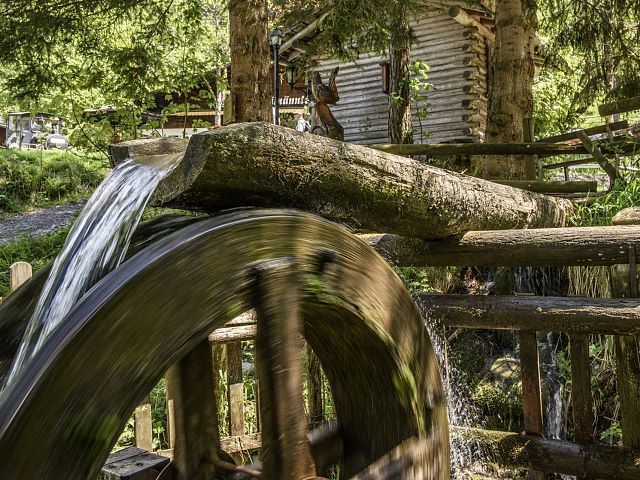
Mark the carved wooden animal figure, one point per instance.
(323, 121)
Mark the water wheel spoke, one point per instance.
(285, 452)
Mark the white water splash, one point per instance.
(96, 244)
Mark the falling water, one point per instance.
(96, 244)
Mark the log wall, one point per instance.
(457, 57)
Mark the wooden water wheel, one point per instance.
(304, 276)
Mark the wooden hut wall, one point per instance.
(457, 60)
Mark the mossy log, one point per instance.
(511, 248)
(527, 451)
(547, 314)
(257, 164)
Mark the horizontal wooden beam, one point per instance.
(619, 106)
(549, 314)
(537, 247)
(232, 334)
(570, 163)
(551, 186)
(588, 460)
(620, 146)
(475, 148)
(613, 127)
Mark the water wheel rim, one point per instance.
(64, 414)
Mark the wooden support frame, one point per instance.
(581, 388)
(613, 127)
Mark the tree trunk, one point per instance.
(267, 166)
(510, 95)
(251, 88)
(400, 128)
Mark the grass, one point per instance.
(39, 178)
(38, 251)
(600, 211)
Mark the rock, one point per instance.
(506, 370)
(627, 216)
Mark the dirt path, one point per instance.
(39, 222)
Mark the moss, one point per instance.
(501, 407)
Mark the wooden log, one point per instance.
(134, 464)
(596, 153)
(19, 273)
(263, 165)
(513, 450)
(511, 248)
(581, 388)
(232, 334)
(551, 186)
(144, 425)
(285, 449)
(621, 125)
(619, 106)
(464, 18)
(196, 422)
(549, 314)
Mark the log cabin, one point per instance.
(453, 38)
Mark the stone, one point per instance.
(627, 216)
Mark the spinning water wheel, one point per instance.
(303, 275)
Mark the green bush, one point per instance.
(37, 251)
(33, 178)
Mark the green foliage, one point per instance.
(37, 177)
(38, 251)
(600, 211)
(415, 279)
(501, 407)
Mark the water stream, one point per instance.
(96, 244)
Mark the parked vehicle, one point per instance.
(41, 130)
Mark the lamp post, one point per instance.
(275, 39)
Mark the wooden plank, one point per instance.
(615, 126)
(549, 314)
(144, 425)
(619, 106)
(133, 464)
(569, 163)
(285, 449)
(19, 272)
(531, 396)
(536, 247)
(581, 388)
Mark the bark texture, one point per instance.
(400, 127)
(528, 451)
(251, 86)
(510, 95)
(546, 314)
(536, 247)
(266, 166)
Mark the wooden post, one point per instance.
(190, 383)
(171, 416)
(314, 388)
(531, 397)
(624, 284)
(144, 425)
(19, 272)
(528, 125)
(581, 388)
(285, 449)
(235, 393)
